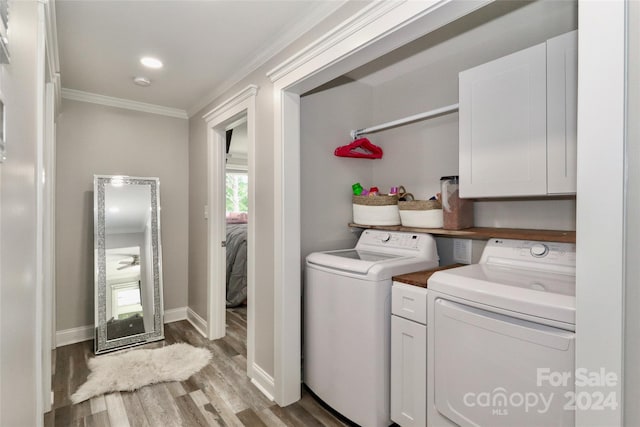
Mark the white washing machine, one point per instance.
(347, 316)
(501, 334)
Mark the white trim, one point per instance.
(371, 33)
(53, 58)
(41, 336)
(333, 37)
(244, 102)
(230, 104)
(74, 335)
(269, 50)
(197, 322)
(600, 244)
(86, 333)
(263, 381)
(175, 315)
(94, 98)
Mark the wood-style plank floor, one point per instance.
(220, 394)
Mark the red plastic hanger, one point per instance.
(360, 148)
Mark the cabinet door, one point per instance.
(562, 100)
(408, 372)
(503, 126)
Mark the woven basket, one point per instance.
(381, 200)
(419, 205)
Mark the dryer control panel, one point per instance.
(550, 256)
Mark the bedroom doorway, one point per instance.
(237, 213)
(230, 180)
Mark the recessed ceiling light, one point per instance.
(142, 81)
(150, 62)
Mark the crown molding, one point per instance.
(341, 32)
(236, 99)
(277, 45)
(78, 95)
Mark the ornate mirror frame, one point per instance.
(103, 345)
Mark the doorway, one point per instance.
(237, 213)
(236, 114)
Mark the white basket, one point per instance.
(421, 213)
(376, 215)
(431, 218)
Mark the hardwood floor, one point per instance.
(220, 394)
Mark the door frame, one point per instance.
(244, 102)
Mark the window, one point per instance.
(237, 192)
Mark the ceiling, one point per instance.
(206, 45)
(127, 208)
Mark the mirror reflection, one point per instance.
(128, 274)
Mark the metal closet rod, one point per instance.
(420, 116)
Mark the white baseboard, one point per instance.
(198, 322)
(175, 315)
(85, 333)
(263, 381)
(74, 335)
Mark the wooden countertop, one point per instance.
(484, 233)
(420, 278)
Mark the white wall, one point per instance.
(96, 139)
(326, 117)
(19, 356)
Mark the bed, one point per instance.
(236, 262)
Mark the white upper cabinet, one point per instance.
(518, 123)
(562, 99)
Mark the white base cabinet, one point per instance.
(518, 123)
(409, 356)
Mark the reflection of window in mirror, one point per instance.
(126, 300)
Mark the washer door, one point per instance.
(490, 369)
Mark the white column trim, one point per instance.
(600, 244)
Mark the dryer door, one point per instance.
(487, 367)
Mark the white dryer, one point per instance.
(347, 317)
(498, 331)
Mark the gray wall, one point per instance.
(632, 274)
(263, 210)
(325, 200)
(19, 356)
(95, 139)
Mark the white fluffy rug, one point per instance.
(136, 368)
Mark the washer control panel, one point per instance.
(398, 243)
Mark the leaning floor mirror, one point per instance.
(128, 262)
